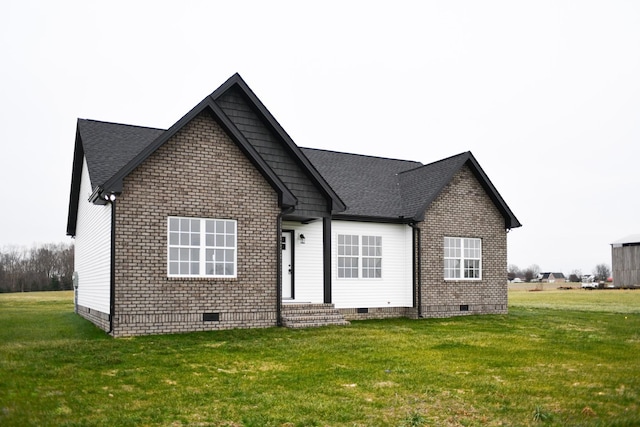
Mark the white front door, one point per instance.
(287, 265)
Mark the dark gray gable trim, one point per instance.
(287, 199)
(235, 80)
(76, 178)
(510, 220)
(468, 159)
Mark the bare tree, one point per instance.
(512, 271)
(528, 274)
(602, 272)
(12, 259)
(47, 267)
(535, 269)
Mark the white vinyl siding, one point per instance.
(92, 258)
(308, 264)
(388, 253)
(462, 258)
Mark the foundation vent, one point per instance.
(210, 317)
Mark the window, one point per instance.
(372, 257)
(357, 260)
(199, 247)
(348, 256)
(462, 258)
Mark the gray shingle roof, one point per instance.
(421, 185)
(368, 185)
(371, 187)
(391, 189)
(110, 146)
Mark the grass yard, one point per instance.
(559, 358)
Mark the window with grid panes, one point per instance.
(348, 256)
(359, 257)
(462, 258)
(201, 247)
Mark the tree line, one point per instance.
(600, 273)
(47, 267)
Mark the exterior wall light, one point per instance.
(302, 238)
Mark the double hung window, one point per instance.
(371, 257)
(462, 258)
(359, 257)
(348, 256)
(200, 247)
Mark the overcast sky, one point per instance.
(546, 94)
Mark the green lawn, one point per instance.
(559, 358)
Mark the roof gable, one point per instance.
(235, 84)
(114, 184)
(422, 185)
(107, 147)
(378, 188)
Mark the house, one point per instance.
(552, 278)
(222, 221)
(625, 262)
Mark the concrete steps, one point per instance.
(311, 316)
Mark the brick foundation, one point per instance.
(378, 313)
(100, 319)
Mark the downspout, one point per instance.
(112, 280)
(417, 265)
(279, 264)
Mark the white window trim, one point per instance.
(462, 259)
(203, 249)
(360, 257)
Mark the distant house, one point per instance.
(222, 221)
(625, 261)
(552, 278)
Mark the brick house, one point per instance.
(222, 221)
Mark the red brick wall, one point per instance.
(200, 173)
(463, 209)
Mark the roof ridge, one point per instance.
(436, 162)
(120, 124)
(361, 155)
